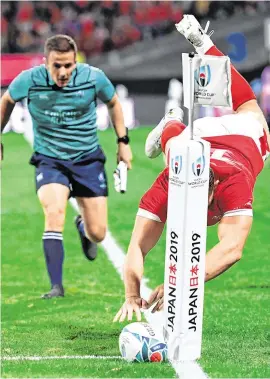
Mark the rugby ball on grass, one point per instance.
(139, 342)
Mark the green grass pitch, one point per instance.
(236, 330)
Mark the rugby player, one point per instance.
(239, 146)
(62, 99)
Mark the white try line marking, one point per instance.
(57, 357)
(185, 370)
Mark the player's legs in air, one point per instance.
(190, 28)
(243, 97)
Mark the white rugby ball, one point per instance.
(139, 342)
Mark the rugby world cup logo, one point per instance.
(198, 166)
(203, 75)
(176, 164)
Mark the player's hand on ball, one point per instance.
(132, 305)
(157, 296)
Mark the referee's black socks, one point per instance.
(54, 255)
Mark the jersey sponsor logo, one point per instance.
(203, 75)
(63, 116)
(176, 164)
(198, 166)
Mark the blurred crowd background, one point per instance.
(102, 26)
(136, 44)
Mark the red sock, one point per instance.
(172, 129)
(241, 90)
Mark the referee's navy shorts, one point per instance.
(84, 178)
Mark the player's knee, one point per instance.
(96, 233)
(54, 218)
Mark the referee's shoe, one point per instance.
(89, 248)
(57, 290)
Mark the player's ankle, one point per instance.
(206, 45)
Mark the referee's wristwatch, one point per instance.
(124, 139)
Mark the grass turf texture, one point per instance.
(236, 321)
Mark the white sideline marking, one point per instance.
(36, 358)
(185, 370)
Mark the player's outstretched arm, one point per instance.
(232, 232)
(145, 235)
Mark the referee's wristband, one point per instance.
(124, 139)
